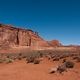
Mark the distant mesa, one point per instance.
(55, 43)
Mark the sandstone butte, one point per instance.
(11, 36)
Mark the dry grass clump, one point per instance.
(34, 57)
(61, 68)
(19, 56)
(76, 57)
(33, 60)
(36, 61)
(9, 60)
(1, 60)
(69, 64)
(30, 59)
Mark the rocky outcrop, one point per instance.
(11, 36)
(55, 43)
(14, 37)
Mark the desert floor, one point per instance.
(20, 70)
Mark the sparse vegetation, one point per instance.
(36, 61)
(64, 60)
(69, 64)
(20, 56)
(1, 60)
(61, 68)
(78, 59)
(8, 60)
(53, 56)
(30, 59)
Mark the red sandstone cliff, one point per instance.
(11, 36)
(14, 37)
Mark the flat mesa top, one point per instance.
(9, 26)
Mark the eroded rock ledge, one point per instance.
(11, 36)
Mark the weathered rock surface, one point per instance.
(11, 36)
(55, 43)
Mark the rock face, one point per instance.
(11, 36)
(55, 43)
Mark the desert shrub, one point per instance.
(61, 68)
(78, 59)
(1, 60)
(48, 56)
(56, 59)
(8, 56)
(20, 56)
(30, 59)
(8, 60)
(23, 56)
(64, 60)
(36, 61)
(41, 54)
(69, 64)
(14, 58)
(75, 57)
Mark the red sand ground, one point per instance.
(20, 70)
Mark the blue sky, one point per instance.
(53, 19)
